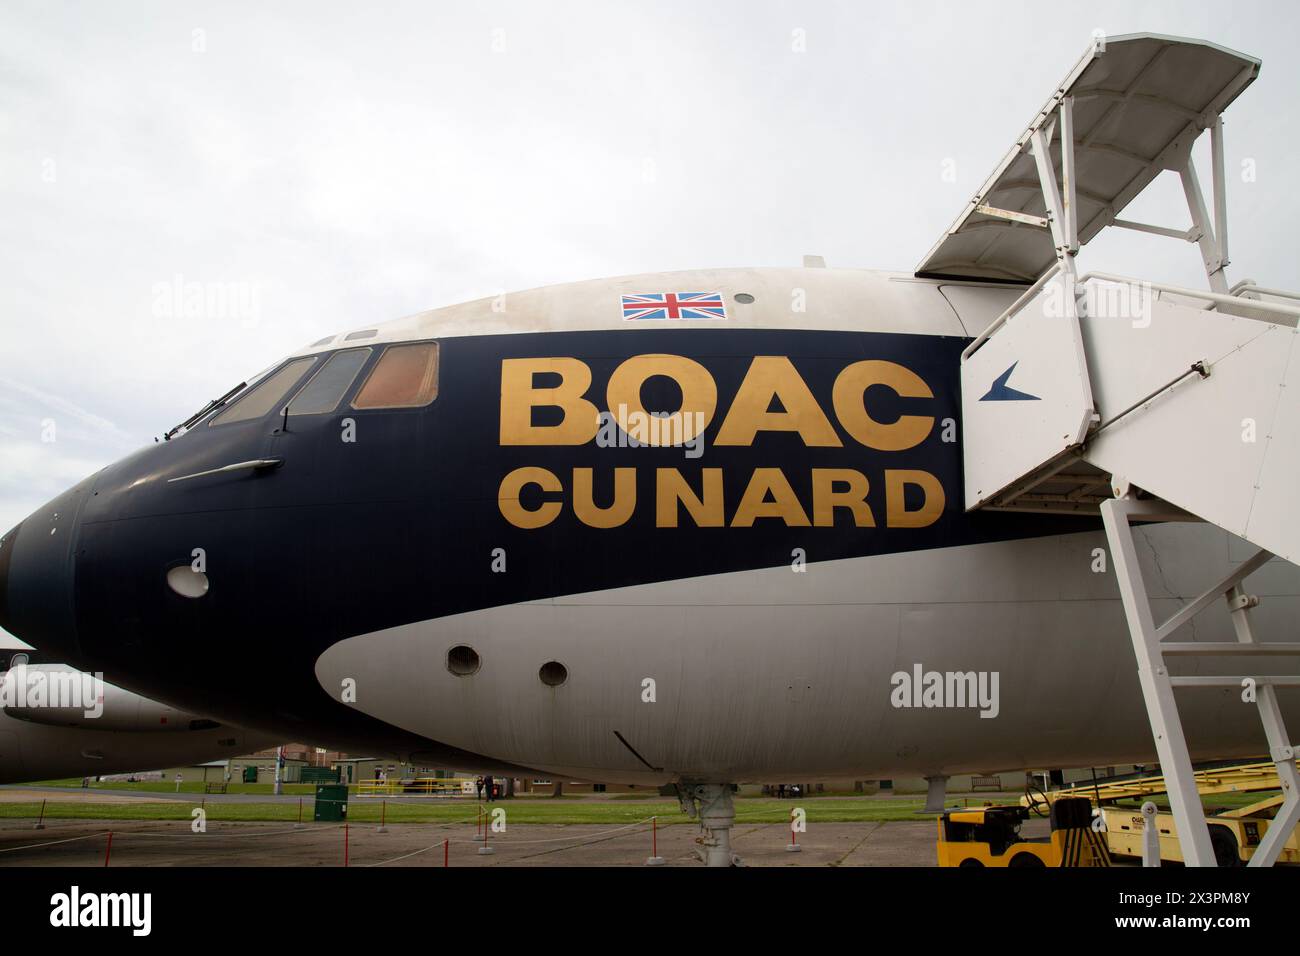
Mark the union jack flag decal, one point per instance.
(674, 305)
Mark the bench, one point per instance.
(214, 788)
(985, 783)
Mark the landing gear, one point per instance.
(717, 814)
(936, 792)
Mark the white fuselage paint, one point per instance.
(773, 674)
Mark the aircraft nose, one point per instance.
(6, 555)
(36, 577)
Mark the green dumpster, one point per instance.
(331, 802)
(250, 775)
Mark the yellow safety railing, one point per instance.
(451, 786)
(1240, 778)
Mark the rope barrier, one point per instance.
(425, 826)
(626, 826)
(591, 842)
(607, 835)
(35, 846)
(253, 832)
(574, 841)
(405, 856)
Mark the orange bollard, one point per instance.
(446, 853)
(654, 859)
(383, 817)
(108, 851)
(40, 823)
(345, 844)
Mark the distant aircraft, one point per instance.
(57, 722)
(699, 528)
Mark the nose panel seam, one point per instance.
(6, 553)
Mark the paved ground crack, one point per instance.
(857, 845)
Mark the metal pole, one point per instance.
(654, 859)
(1220, 188)
(1051, 194)
(1157, 690)
(1211, 252)
(1069, 200)
(1279, 743)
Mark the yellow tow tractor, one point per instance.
(990, 836)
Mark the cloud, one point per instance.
(49, 407)
(353, 167)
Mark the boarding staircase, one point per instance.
(1135, 400)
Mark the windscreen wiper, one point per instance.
(215, 403)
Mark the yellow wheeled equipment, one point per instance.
(1234, 834)
(990, 836)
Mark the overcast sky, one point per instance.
(328, 165)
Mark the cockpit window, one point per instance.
(324, 390)
(406, 376)
(267, 394)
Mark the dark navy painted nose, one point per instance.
(36, 583)
(6, 555)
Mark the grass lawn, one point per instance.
(169, 786)
(627, 808)
(748, 810)
(543, 811)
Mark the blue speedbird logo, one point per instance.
(1000, 391)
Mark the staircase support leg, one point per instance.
(1283, 754)
(1157, 690)
(1279, 744)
